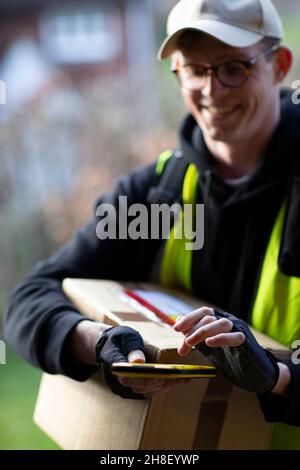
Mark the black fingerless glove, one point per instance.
(248, 366)
(114, 346)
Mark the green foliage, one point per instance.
(291, 37)
(19, 384)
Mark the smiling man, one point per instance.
(238, 155)
(233, 94)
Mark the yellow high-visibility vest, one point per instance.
(276, 307)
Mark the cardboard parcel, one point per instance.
(203, 414)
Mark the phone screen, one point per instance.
(163, 371)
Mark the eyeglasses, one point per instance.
(232, 73)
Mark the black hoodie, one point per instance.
(238, 222)
(239, 219)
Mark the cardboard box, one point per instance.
(203, 414)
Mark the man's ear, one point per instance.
(282, 62)
(175, 58)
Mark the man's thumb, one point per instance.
(136, 356)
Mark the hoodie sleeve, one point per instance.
(284, 409)
(38, 316)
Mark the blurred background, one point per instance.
(85, 101)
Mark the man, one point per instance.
(238, 156)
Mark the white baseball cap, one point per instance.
(238, 23)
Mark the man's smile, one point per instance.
(219, 110)
(215, 114)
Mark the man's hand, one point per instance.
(228, 342)
(124, 344)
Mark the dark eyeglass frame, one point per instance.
(248, 64)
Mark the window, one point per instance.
(81, 34)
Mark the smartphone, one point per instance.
(162, 371)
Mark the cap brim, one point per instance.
(231, 35)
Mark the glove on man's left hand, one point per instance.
(114, 346)
(249, 366)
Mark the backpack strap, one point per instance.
(172, 167)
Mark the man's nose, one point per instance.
(212, 85)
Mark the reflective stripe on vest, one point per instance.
(162, 160)
(176, 264)
(276, 313)
(276, 310)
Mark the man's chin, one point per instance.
(221, 131)
(219, 134)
